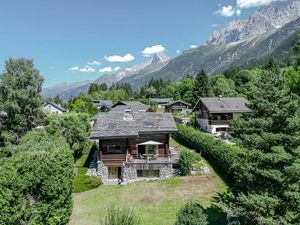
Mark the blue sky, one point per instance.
(73, 40)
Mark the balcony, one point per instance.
(218, 122)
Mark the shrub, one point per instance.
(84, 183)
(186, 160)
(36, 182)
(226, 158)
(120, 216)
(191, 214)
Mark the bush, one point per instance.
(227, 158)
(36, 182)
(120, 216)
(191, 214)
(186, 160)
(84, 183)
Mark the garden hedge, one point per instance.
(225, 157)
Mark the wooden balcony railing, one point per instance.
(113, 159)
(218, 122)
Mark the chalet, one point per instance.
(161, 102)
(128, 103)
(103, 105)
(177, 106)
(134, 145)
(213, 114)
(52, 107)
(134, 108)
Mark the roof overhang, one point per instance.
(151, 143)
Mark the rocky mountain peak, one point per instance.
(265, 20)
(159, 58)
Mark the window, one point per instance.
(148, 173)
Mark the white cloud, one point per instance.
(94, 63)
(193, 46)
(117, 68)
(149, 51)
(106, 70)
(51, 67)
(178, 51)
(243, 4)
(86, 69)
(238, 12)
(214, 25)
(118, 58)
(226, 11)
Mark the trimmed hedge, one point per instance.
(224, 156)
(84, 183)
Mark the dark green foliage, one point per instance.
(119, 216)
(84, 183)
(266, 182)
(201, 88)
(222, 155)
(75, 127)
(192, 214)
(186, 160)
(36, 182)
(220, 85)
(20, 99)
(97, 87)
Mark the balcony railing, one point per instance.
(218, 122)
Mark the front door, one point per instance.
(113, 172)
(141, 149)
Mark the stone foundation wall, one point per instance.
(166, 172)
(128, 173)
(102, 171)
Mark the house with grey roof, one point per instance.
(128, 103)
(134, 145)
(214, 113)
(177, 106)
(102, 105)
(161, 102)
(52, 107)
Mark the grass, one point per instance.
(155, 202)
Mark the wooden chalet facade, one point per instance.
(177, 106)
(214, 114)
(134, 145)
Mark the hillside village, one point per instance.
(165, 142)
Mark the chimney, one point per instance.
(128, 114)
(220, 97)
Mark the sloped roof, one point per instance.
(100, 103)
(129, 103)
(178, 101)
(134, 108)
(56, 106)
(220, 105)
(161, 100)
(120, 124)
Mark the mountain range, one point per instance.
(270, 31)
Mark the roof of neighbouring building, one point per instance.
(161, 100)
(134, 108)
(129, 103)
(126, 124)
(222, 104)
(56, 106)
(100, 103)
(178, 101)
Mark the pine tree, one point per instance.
(201, 88)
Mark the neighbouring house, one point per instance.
(214, 114)
(52, 107)
(103, 105)
(134, 108)
(127, 103)
(161, 102)
(177, 106)
(134, 145)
